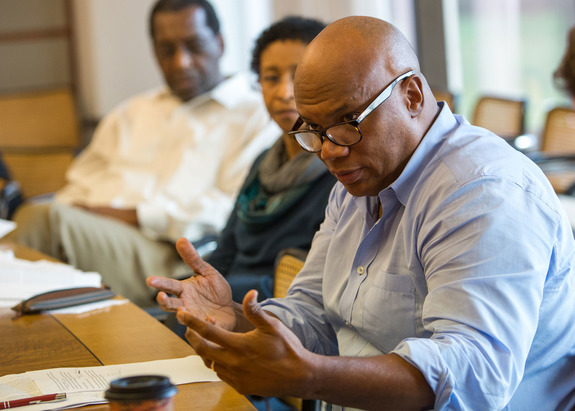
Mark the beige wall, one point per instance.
(114, 55)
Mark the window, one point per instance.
(511, 48)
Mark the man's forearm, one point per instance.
(385, 382)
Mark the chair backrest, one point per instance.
(39, 136)
(503, 116)
(559, 132)
(444, 95)
(288, 264)
(38, 172)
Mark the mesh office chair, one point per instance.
(557, 155)
(288, 264)
(39, 136)
(559, 131)
(503, 116)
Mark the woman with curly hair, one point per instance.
(564, 76)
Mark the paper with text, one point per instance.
(87, 384)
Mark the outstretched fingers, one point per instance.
(206, 329)
(191, 257)
(168, 303)
(209, 340)
(168, 285)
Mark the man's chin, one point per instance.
(185, 95)
(184, 90)
(360, 190)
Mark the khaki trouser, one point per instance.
(122, 255)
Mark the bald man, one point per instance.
(442, 276)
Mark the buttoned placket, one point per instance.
(366, 253)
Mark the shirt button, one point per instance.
(360, 270)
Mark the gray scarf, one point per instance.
(278, 173)
(277, 184)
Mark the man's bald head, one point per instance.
(344, 70)
(356, 48)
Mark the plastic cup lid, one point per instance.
(140, 387)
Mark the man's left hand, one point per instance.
(269, 360)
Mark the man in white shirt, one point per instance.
(163, 165)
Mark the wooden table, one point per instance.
(114, 335)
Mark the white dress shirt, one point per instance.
(179, 164)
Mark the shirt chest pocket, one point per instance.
(388, 313)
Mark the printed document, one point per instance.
(86, 385)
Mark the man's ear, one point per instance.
(221, 43)
(414, 93)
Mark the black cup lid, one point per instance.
(140, 387)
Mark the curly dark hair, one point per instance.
(288, 28)
(212, 20)
(564, 76)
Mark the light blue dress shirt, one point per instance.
(468, 275)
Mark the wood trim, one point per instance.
(64, 32)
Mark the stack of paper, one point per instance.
(6, 226)
(21, 279)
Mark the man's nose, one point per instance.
(330, 150)
(285, 89)
(182, 57)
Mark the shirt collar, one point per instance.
(233, 90)
(440, 130)
(229, 93)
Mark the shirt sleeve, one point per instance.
(485, 250)
(90, 166)
(302, 309)
(191, 208)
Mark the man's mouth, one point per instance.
(347, 176)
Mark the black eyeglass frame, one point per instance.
(384, 95)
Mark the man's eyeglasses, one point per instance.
(346, 133)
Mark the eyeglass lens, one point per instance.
(341, 134)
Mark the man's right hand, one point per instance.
(206, 294)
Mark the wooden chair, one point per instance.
(288, 264)
(559, 132)
(557, 155)
(503, 116)
(444, 95)
(39, 136)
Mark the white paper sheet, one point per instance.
(84, 308)
(86, 385)
(6, 226)
(21, 279)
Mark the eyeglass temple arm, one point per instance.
(297, 125)
(384, 96)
